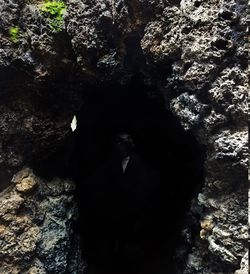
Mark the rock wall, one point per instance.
(36, 226)
(194, 51)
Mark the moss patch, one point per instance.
(14, 33)
(54, 10)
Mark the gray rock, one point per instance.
(39, 244)
(195, 51)
(244, 265)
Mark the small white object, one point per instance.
(73, 124)
(125, 163)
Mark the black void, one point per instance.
(137, 170)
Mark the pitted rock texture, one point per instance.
(244, 266)
(36, 226)
(194, 51)
(33, 117)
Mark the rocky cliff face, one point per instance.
(195, 52)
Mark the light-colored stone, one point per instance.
(26, 184)
(244, 265)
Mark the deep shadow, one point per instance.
(130, 221)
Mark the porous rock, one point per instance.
(194, 51)
(37, 235)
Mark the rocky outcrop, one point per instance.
(211, 71)
(36, 231)
(194, 51)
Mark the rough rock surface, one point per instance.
(36, 221)
(194, 51)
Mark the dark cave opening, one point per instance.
(136, 171)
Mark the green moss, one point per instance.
(54, 11)
(14, 33)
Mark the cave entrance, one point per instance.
(137, 170)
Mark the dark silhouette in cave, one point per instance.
(137, 170)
